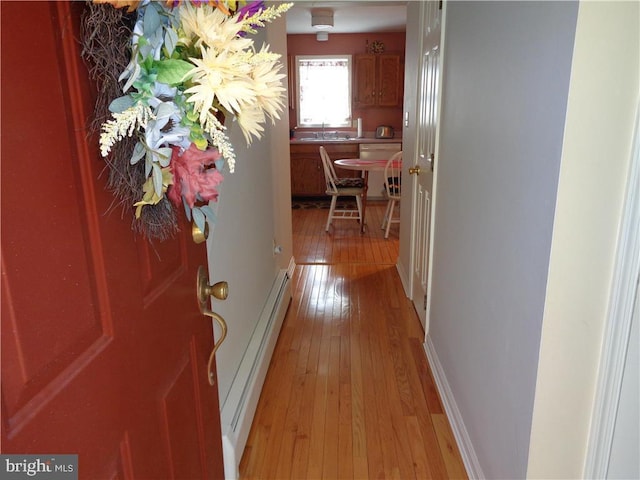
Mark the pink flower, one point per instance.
(195, 176)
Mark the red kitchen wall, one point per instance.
(351, 43)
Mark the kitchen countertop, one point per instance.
(314, 141)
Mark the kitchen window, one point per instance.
(324, 90)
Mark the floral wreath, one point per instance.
(191, 65)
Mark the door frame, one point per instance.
(624, 297)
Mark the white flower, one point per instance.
(220, 76)
(161, 93)
(246, 84)
(250, 120)
(210, 26)
(219, 139)
(267, 83)
(123, 125)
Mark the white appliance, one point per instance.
(377, 151)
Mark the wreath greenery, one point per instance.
(169, 73)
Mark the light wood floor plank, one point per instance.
(345, 424)
(319, 411)
(359, 435)
(426, 380)
(391, 449)
(349, 393)
(374, 451)
(343, 243)
(448, 447)
(416, 444)
(332, 412)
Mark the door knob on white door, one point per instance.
(414, 170)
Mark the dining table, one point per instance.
(365, 166)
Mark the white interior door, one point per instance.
(423, 168)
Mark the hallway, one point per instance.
(349, 393)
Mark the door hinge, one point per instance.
(425, 302)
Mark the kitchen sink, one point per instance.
(324, 140)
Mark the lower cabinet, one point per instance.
(307, 174)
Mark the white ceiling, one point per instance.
(350, 17)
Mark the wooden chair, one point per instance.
(392, 190)
(341, 187)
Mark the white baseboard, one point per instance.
(404, 279)
(240, 406)
(460, 433)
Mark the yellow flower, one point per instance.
(150, 196)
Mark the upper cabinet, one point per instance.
(377, 80)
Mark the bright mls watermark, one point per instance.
(41, 467)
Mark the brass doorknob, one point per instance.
(414, 170)
(220, 290)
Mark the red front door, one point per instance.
(104, 350)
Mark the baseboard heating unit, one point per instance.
(240, 405)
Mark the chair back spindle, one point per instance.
(393, 188)
(341, 187)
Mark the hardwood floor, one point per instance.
(349, 393)
(343, 243)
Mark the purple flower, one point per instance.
(251, 9)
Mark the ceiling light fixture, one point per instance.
(322, 18)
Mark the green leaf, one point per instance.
(147, 63)
(198, 218)
(187, 208)
(209, 213)
(170, 41)
(193, 115)
(157, 179)
(120, 104)
(200, 142)
(171, 71)
(151, 21)
(165, 110)
(148, 162)
(138, 153)
(135, 73)
(163, 155)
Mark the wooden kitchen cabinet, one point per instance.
(378, 80)
(307, 174)
(307, 177)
